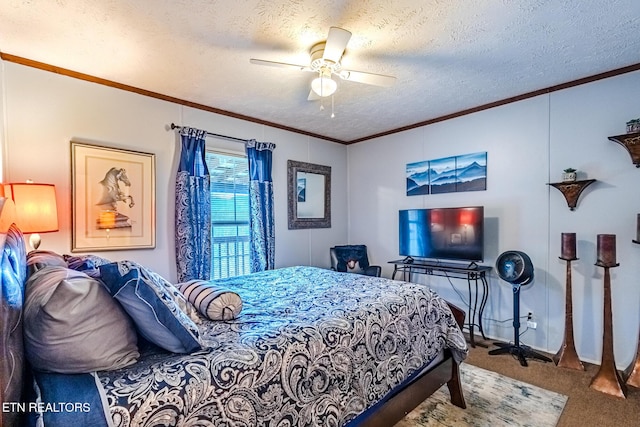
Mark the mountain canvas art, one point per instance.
(467, 172)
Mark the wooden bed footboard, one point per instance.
(458, 314)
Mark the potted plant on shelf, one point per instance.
(569, 175)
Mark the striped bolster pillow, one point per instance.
(211, 302)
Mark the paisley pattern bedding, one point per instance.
(312, 347)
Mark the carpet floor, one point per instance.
(586, 407)
(492, 400)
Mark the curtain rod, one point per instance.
(232, 138)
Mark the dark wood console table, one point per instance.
(472, 273)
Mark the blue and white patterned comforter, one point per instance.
(311, 347)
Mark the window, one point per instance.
(229, 214)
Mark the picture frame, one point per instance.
(113, 201)
(467, 172)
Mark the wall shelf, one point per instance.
(631, 142)
(571, 190)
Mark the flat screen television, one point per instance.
(442, 233)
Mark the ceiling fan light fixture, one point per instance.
(325, 60)
(324, 86)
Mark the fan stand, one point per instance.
(521, 351)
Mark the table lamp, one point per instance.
(36, 209)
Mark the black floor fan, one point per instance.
(515, 267)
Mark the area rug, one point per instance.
(492, 400)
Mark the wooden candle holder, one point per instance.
(567, 357)
(608, 380)
(632, 373)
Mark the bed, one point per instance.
(310, 347)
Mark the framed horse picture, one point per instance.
(113, 198)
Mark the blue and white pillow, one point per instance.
(180, 299)
(153, 309)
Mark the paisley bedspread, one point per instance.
(312, 347)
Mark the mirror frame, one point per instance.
(295, 223)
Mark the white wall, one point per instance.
(43, 112)
(528, 143)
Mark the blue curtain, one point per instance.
(261, 223)
(193, 208)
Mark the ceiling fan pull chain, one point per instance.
(332, 113)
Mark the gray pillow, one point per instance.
(211, 301)
(73, 325)
(40, 259)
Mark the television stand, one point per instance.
(473, 273)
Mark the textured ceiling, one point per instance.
(448, 56)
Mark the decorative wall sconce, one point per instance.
(571, 190)
(630, 142)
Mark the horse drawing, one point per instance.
(111, 192)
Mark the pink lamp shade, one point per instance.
(36, 208)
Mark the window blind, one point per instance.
(229, 214)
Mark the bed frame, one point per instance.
(12, 360)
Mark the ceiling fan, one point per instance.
(325, 61)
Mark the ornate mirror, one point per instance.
(309, 191)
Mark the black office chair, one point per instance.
(353, 259)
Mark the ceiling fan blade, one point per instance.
(279, 64)
(336, 44)
(367, 78)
